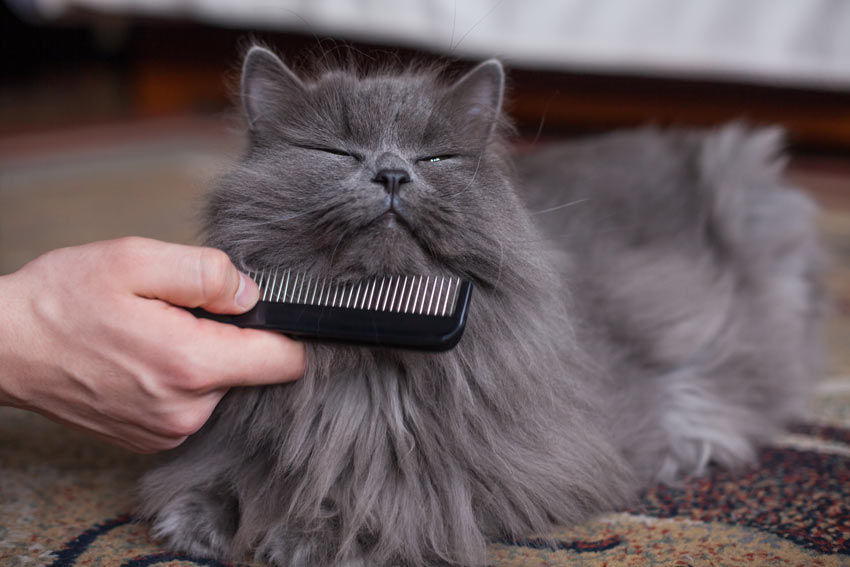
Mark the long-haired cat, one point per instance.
(645, 304)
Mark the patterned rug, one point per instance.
(66, 500)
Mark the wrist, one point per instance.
(12, 343)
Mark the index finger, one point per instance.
(245, 357)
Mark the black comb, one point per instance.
(418, 312)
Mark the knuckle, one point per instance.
(190, 377)
(187, 370)
(124, 252)
(49, 258)
(129, 244)
(214, 271)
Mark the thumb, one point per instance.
(188, 276)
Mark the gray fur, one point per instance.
(687, 336)
(699, 276)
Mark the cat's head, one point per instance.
(377, 174)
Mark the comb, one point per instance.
(418, 312)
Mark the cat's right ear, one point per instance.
(268, 86)
(474, 102)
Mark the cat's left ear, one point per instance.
(268, 88)
(475, 100)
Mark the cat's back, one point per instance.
(715, 190)
(612, 182)
(600, 160)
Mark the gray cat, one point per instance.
(656, 311)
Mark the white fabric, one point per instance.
(803, 43)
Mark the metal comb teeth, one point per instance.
(419, 295)
(412, 312)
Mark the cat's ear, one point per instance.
(476, 98)
(268, 85)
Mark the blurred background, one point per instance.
(116, 114)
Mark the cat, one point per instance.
(646, 303)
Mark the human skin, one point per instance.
(94, 337)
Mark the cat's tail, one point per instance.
(754, 213)
(767, 230)
(763, 235)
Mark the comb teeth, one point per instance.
(415, 312)
(419, 295)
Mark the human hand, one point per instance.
(90, 337)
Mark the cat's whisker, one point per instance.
(558, 207)
(474, 175)
(276, 220)
(568, 234)
(501, 261)
(454, 23)
(344, 235)
(475, 25)
(543, 116)
(236, 242)
(350, 51)
(311, 28)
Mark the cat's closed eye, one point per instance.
(435, 159)
(332, 151)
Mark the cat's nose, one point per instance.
(391, 179)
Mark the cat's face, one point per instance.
(352, 176)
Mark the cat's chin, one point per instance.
(391, 220)
(387, 246)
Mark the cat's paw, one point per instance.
(691, 456)
(197, 524)
(282, 547)
(702, 429)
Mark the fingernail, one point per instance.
(247, 294)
